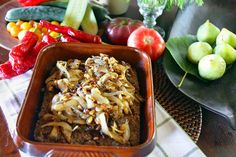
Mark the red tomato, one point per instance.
(119, 30)
(148, 40)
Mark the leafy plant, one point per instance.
(181, 3)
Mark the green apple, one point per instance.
(227, 52)
(207, 32)
(198, 50)
(212, 67)
(226, 36)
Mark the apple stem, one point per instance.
(182, 80)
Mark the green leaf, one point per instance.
(178, 48)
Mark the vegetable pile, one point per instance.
(75, 13)
(77, 21)
(22, 57)
(68, 31)
(206, 55)
(34, 35)
(19, 28)
(126, 31)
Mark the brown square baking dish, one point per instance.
(63, 51)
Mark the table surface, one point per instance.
(217, 139)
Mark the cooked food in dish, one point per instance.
(93, 102)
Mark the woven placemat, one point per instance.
(185, 111)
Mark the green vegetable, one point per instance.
(181, 3)
(57, 3)
(101, 13)
(89, 23)
(35, 13)
(178, 48)
(75, 13)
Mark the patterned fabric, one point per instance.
(172, 141)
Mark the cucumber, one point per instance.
(89, 23)
(57, 3)
(75, 13)
(35, 13)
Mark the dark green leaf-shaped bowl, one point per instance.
(218, 96)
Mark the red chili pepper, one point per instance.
(46, 40)
(28, 35)
(20, 53)
(84, 37)
(22, 57)
(27, 43)
(29, 61)
(66, 38)
(31, 2)
(19, 65)
(20, 68)
(6, 71)
(77, 34)
(39, 46)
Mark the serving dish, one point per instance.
(217, 96)
(31, 106)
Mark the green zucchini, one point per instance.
(35, 13)
(75, 13)
(89, 23)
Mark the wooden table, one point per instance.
(217, 139)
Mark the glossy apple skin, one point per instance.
(119, 30)
(148, 40)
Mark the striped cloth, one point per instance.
(172, 141)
